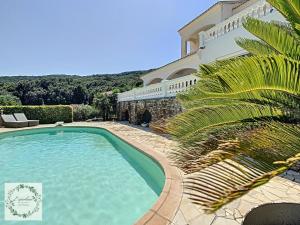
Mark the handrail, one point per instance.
(257, 10)
(164, 89)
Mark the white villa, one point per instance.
(207, 38)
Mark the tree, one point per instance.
(101, 102)
(64, 89)
(79, 95)
(9, 100)
(242, 118)
(107, 103)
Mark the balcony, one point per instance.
(165, 89)
(219, 42)
(258, 10)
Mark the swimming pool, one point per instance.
(89, 176)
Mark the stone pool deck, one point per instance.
(280, 189)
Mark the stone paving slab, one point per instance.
(285, 188)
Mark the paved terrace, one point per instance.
(279, 189)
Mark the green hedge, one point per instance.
(46, 114)
(84, 112)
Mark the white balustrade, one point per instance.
(257, 10)
(165, 89)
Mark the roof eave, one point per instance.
(206, 11)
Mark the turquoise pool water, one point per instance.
(89, 176)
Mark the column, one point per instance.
(183, 48)
(202, 37)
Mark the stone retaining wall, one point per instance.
(134, 111)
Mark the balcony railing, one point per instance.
(165, 89)
(257, 10)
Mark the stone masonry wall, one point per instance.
(159, 108)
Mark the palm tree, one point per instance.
(240, 127)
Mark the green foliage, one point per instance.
(241, 123)
(84, 112)
(107, 104)
(66, 90)
(290, 9)
(9, 100)
(273, 36)
(46, 114)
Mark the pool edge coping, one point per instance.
(167, 205)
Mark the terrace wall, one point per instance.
(134, 111)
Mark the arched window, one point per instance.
(155, 81)
(181, 73)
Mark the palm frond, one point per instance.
(256, 78)
(220, 183)
(196, 124)
(278, 37)
(255, 47)
(290, 9)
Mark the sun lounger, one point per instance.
(11, 122)
(22, 117)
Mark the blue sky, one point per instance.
(91, 36)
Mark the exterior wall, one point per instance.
(191, 61)
(159, 109)
(203, 22)
(244, 6)
(225, 46)
(214, 15)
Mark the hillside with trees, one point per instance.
(64, 89)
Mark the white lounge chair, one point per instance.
(22, 117)
(11, 122)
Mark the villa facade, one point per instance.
(208, 38)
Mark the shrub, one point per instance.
(106, 103)
(84, 112)
(46, 114)
(9, 100)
